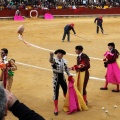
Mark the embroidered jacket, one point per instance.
(112, 58)
(83, 60)
(10, 64)
(59, 65)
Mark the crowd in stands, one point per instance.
(57, 4)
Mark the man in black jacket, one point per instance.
(21, 111)
(99, 21)
(67, 29)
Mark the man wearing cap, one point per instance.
(67, 29)
(59, 66)
(82, 66)
(99, 21)
(113, 70)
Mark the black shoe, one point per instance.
(55, 113)
(102, 88)
(115, 91)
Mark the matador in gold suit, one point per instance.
(7, 72)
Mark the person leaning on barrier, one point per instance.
(21, 111)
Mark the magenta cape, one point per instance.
(73, 101)
(48, 16)
(18, 18)
(113, 73)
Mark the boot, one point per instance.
(85, 99)
(56, 107)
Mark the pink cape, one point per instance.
(18, 18)
(48, 16)
(113, 73)
(73, 101)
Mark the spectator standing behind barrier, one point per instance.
(67, 29)
(21, 111)
(18, 13)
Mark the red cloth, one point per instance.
(5, 75)
(2, 65)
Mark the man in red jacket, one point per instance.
(82, 66)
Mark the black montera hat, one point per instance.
(111, 44)
(60, 51)
(79, 47)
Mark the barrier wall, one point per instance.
(80, 11)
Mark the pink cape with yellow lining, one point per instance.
(74, 99)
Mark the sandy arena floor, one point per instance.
(33, 86)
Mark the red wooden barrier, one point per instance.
(80, 11)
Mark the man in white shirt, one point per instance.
(59, 66)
